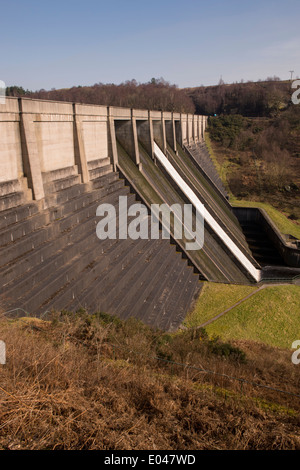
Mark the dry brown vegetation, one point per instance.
(65, 386)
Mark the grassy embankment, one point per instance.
(270, 316)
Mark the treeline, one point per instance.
(17, 91)
(251, 99)
(156, 95)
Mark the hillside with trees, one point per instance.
(251, 99)
(256, 141)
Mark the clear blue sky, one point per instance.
(57, 44)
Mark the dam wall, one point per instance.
(59, 161)
(45, 141)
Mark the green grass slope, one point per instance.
(271, 316)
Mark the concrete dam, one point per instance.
(59, 161)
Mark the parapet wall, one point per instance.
(39, 137)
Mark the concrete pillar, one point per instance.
(163, 129)
(199, 128)
(79, 149)
(174, 134)
(30, 156)
(151, 131)
(204, 125)
(181, 132)
(135, 140)
(145, 135)
(170, 132)
(188, 133)
(112, 141)
(157, 127)
(190, 128)
(178, 132)
(195, 127)
(184, 129)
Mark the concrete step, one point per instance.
(9, 201)
(53, 258)
(62, 183)
(64, 267)
(100, 171)
(67, 194)
(13, 186)
(18, 214)
(39, 268)
(98, 163)
(74, 191)
(40, 295)
(105, 179)
(60, 174)
(26, 244)
(23, 228)
(42, 255)
(88, 198)
(101, 261)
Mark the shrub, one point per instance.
(227, 350)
